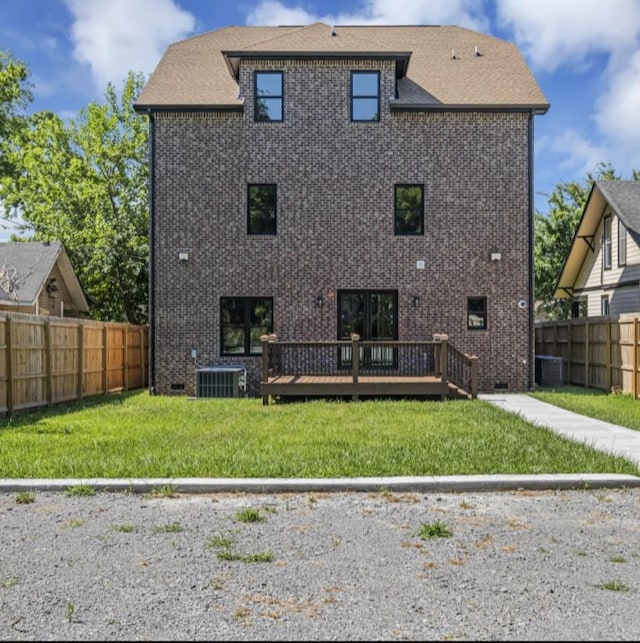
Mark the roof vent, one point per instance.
(476, 51)
(453, 54)
(332, 31)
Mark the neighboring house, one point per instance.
(311, 181)
(38, 278)
(601, 273)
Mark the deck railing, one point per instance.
(357, 358)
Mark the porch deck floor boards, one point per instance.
(348, 379)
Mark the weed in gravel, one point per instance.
(80, 490)
(219, 541)
(436, 529)
(618, 559)
(163, 491)
(250, 514)
(25, 497)
(9, 582)
(170, 528)
(614, 586)
(71, 608)
(126, 529)
(263, 557)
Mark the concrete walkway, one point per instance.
(599, 435)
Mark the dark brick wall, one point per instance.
(335, 184)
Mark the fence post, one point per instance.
(125, 359)
(609, 360)
(105, 356)
(634, 383)
(143, 377)
(587, 349)
(80, 360)
(48, 353)
(7, 332)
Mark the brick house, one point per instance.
(601, 272)
(314, 181)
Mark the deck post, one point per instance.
(473, 359)
(355, 359)
(264, 339)
(444, 339)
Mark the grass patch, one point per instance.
(436, 529)
(614, 586)
(136, 435)
(171, 528)
(80, 490)
(25, 497)
(250, 514)
(617, 409)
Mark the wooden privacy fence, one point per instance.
(601, 353)
(48, 360)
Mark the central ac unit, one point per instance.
(221, 381)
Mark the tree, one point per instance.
(553, 234)
(15, 95)
(85, 183)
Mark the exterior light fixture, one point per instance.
(416, 301)
(320, 301)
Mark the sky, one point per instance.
(584, 54)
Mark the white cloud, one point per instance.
(554, 33)
(618, 109)
(117, 36)
(577, 155)
(466, 13)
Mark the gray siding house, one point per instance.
(319, 180)
(601, 272)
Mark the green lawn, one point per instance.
(618, 409)
(135, 435)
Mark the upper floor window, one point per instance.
(579, 308)
(476, 313)
(268, 92)
(365, 96)
(606, 242)
(622, 244)
(604, 305)
(261, 209)
(243, 321)
(409, 209)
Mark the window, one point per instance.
(476, 313)
(261, 209)
(268, 96)
(365, 96)
(604, 305)
(606, 242)
(579, 308)
(622, 244)
(409, 209)
(243, 321)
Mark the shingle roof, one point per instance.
(623, 197)
(199, 71)
(25, 267)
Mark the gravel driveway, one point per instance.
(516, 565)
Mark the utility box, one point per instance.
(549, 371)
(221, 381)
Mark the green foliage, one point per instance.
(553, 234)
(436, 529)
(85, 183)
(15, 95)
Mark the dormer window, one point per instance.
(268, 96)
(365, 96)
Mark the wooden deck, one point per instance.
(339, 385)
(369, 369)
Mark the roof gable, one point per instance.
(623, 197)
(441, 66)
(26, 266)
